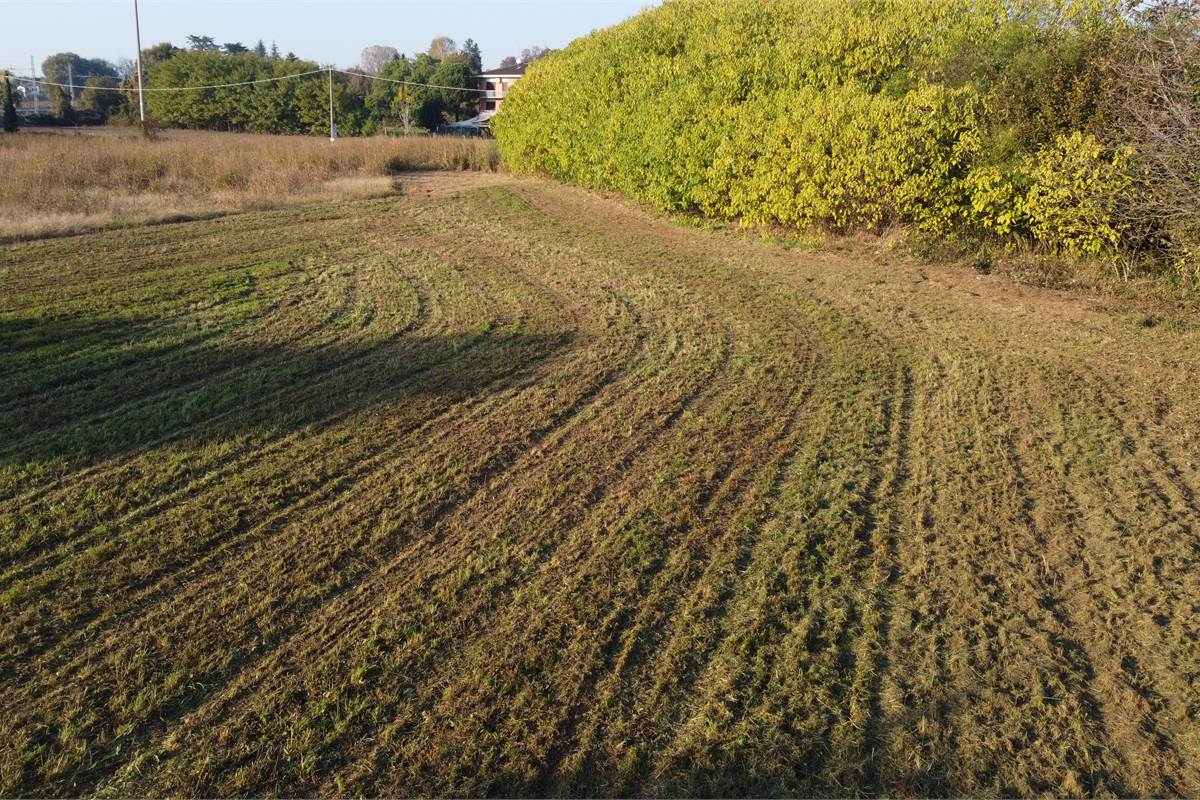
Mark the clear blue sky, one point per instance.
(321, 30)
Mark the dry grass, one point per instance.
(59, 183)
(517, 490)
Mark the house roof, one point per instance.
(479, 120)
(505, 72)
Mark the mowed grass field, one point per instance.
(498, 486)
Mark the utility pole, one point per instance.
(137, 28)
(332, 126)
(35, 86)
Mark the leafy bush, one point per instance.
(942, 114)
(849, 159)
(1074, 193)
(995, 198)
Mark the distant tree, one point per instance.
(395, 102)
(274, 50)
(312, 110)
(158, 54)
(264, 106)
(454, 105)
(374, 57)
(531, 54)
(65, 67)
(291, 56)
(125, 68)
(442, 47)
(234, 47)
(202, 43)
(97, 99)
(471, 50)
(508, 62)
(260, 49)
(359, 85)
(411, 105)
(60, 96)
(10, 108)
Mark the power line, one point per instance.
(78, 78)
(193, 88)
(406, 83)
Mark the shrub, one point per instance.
(940, 114)
(995, 198)
(848, 159)
(1074, 193)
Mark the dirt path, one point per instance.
(504, 487)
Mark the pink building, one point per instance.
(495, 84)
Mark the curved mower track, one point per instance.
(504, 487)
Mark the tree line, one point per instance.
(363, 104)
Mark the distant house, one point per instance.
(494, 85)
(30, 99)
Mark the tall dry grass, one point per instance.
(58, 183)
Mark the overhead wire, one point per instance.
(191, 88)
(407, 83)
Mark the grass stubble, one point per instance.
(508, 488)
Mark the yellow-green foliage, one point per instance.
(838, 113)
(995, 201)
(1074, 193)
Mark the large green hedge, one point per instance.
(956, 116)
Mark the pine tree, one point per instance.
(202, 43)
(471, 49)
(10, 109)
(260, 49)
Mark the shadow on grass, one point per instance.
(83, 391)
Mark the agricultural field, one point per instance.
(73, 180)
(498, 486)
